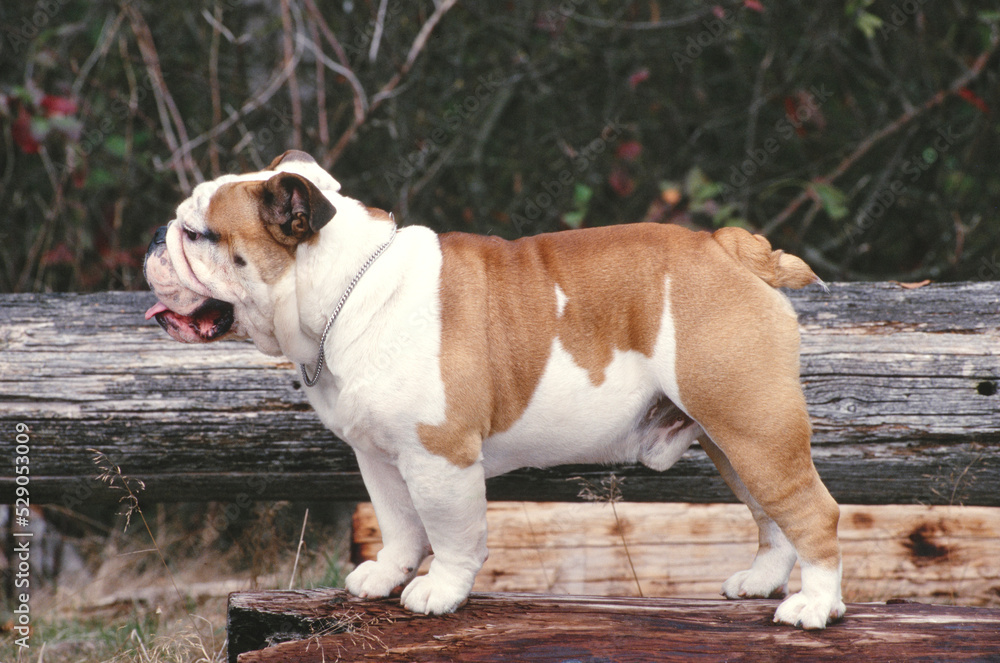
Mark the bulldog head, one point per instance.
(232, 240)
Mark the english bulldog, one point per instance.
(447, 359)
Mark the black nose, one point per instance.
(160, 236)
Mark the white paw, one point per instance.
(754, 585)
(376, 579)
(433, 594)
(809, 611)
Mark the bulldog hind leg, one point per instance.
(767, 577)
(769, 466)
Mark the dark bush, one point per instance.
(864, 139)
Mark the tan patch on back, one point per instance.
(234, 213)
(614, 286)
(499, 318)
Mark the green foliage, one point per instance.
(867, 22)
(581, 201)
(855, 131)
(831, 198)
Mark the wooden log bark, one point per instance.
(926, 553)
(328, 625)
(901, 384)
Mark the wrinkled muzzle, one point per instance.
(187, 316)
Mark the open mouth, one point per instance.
(208, 322)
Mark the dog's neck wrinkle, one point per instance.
(321, 280)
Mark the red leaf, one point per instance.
(791, 110)
(118, 258)
(20, 131)
(754, 5)
(61, 255)
(638, 77)
(80, 177)
(550, 21)
(621, 182)
(974, 99)
(629, 150)
(58, 105)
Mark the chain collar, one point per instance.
(320, 359)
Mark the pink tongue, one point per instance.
(158, 307)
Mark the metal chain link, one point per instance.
(320, 360)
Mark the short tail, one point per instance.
(776, 268)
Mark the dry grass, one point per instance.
(155, 586)
(609, 492)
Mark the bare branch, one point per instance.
(251, 105)
(293, 82)
(213, 82)
(900, 122)
(317, 19)
(218, 25)
(682, 21)
(387, 90)
(164, 101)
(344, 69)
(321, 120)
(377, 36)
(361, 99)
(103, 44)
(418, 45)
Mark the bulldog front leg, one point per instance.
(451, 502)
(404, 542)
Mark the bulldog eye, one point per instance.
(240, 262)
(191, 235)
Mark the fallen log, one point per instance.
(303, 626)
(901, 384)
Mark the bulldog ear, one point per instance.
(291, 155)
(293, 208)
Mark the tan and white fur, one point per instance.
(461, 357)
